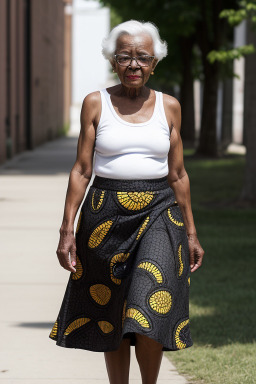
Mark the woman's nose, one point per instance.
(134, 63)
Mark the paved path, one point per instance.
(32, 193)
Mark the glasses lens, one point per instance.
(123, 60)
(144, 61)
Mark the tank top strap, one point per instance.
(103, 108)
(157, 101)
(106, 97)
(162, 113)
(109, 109)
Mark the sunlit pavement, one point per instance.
(32, 194)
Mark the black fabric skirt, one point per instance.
(132, 272)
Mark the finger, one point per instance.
(61, 262)
(198, 258)
(192, 258)
(63, 257)
(68, 266)
(60, 257)
(73, 255)
(196, 266)
(200, 253)
(198, 263)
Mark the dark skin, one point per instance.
(133, 102)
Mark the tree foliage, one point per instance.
(175, 19)
(246, 11)
(192, 29)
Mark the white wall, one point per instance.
(90, 69)
(238, 91)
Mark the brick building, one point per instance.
(35, 73)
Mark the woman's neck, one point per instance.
(133, 93)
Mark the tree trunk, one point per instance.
(208, 138)
(187, 92)
(227, 109)
(210, 33)
(249, 188)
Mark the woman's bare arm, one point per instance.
(79, 179)
(179, 181)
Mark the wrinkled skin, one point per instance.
(136, 94)
(134, 101)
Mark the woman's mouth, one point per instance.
(133, 77)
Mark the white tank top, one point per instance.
(125, 150)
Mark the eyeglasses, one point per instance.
(142, 61)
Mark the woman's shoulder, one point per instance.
(171, 102)
(92, 99)
(91, 106)
(172, 109)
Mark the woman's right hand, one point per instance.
(67, 243)
(79, 178)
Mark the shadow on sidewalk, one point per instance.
(54, 157)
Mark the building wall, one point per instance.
(35, 73)
(91, 23)
(3, 82)
(13, 117)
(67, 62)
(47, 66)
(90, 70)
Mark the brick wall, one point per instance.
(34, 73)
(3, 82)
(47, 67)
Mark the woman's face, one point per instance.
(138, 45)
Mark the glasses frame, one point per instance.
(133, 58)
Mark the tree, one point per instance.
(175, 20)
(185, 24)
(247, 12)
(212, 33)
(249, 187)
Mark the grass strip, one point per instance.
(222, 291)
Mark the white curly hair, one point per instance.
(134, 27)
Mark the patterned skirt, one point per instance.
(132, 272)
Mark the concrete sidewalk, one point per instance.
(32, 194)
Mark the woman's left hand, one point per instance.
(196, 252)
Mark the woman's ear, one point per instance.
(155, 62)
(112, 63)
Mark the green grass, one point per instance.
(222, 291)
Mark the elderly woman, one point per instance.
(135, 244)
